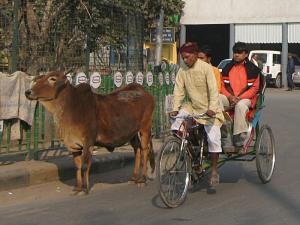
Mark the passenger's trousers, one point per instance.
(240, 124)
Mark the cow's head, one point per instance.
(47, 87)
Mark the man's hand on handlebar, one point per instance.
(173, 114)
(210, 113)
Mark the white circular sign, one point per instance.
(118, 78)
(161, 78)
(129, 77)
(95, 80)
(149, 78)
(81, 78)
(139, 78)
(69, 77)
(167, 78)
(173, 78)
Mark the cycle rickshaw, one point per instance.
(184, 158)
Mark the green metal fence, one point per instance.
(43, 136)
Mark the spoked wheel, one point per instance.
(173, 172)
(265, 154)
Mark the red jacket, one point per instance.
(241, 80)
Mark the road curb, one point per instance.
(26, 173)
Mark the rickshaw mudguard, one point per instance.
(259, 106)
(256, 118)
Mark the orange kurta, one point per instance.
(218, 77)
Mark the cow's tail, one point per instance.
(136, 143)
(151, 156)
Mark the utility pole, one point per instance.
(159, 33)
(182, 40)
(284, 54)
(231, 39)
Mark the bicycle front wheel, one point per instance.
(173, 172)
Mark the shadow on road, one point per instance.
(289, 204)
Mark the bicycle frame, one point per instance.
(184, 132)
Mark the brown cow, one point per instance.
(87, 119)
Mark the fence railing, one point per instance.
(42, 135)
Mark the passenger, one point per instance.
(256, 61)
(205, 54)
(240, 85)
(196, 79)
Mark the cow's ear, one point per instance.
(52, 80)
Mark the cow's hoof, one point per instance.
(75, 193)
(133, 180)
(86, 191)
(82, 193)
(141, 185)
(76, 190)
(79, 193)
(141, 182)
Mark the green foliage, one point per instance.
(53, 31)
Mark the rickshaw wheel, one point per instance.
(173, 172)
(265, 154)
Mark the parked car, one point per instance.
(296, 79)
(222, 64)
(271, 66)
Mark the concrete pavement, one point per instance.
(25, 173)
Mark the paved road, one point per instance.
(240, 199)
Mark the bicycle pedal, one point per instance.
(195, 178)
(198, 170)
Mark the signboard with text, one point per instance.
(169, 103)
(168, 36)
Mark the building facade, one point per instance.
(263, 24)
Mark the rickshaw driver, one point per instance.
(239, 88)
(197, 80)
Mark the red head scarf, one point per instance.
(190, 47)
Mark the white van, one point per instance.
(271, 65)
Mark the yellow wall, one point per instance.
(169, 52)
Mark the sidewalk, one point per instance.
(25, 173)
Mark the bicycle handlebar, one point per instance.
(192, 116)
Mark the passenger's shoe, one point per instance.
(238, 139)
(243, 136)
